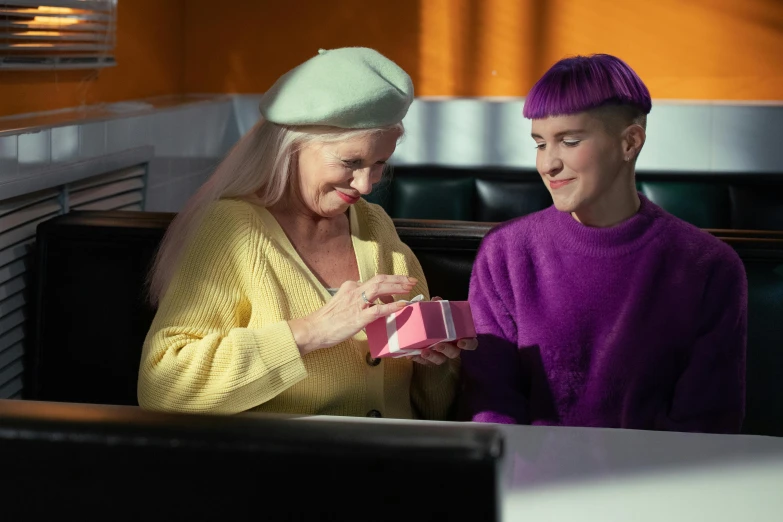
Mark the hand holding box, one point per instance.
(420, 325)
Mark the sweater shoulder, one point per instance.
(232, 227)
(699, 248)
(234, 216)
(517, 234)
(230, 210)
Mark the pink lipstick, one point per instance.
(345, 197)
(559, 183)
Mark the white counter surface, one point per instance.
(591, 474)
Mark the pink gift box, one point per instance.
(418, 326)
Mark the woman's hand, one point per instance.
(349, 311)
(442, 352)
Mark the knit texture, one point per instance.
(220, 341)
(642, 325)
(352, 88)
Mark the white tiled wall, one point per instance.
(189, 143)
(747, 138)
(190, 139)
(680, 137)
(8, 156)
(65, 144)
(34, 151)
(246, 111)
(92, 140)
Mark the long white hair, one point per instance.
(258, 169)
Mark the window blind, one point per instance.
(19, 217)
(57, 34)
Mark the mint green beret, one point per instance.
(351, 88)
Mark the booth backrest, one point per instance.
(89, 462)
(90, 317)
(747, 201)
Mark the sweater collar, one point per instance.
(363, 246)
(625, 237)
(360, 238)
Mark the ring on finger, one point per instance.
(364, 297)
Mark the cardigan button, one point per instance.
(371, 361)
(374, 413)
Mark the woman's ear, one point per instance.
(633, 140)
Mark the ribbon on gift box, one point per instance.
(394, 341)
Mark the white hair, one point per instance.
(258, 169)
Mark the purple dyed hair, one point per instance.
(582, 83)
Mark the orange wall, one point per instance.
(687, 49)
(711, 49)
(247, 47)
(149, 57)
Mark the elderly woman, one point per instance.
(267, 278)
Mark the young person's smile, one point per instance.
(581, 159)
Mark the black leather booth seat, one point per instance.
(708, 200)
(88, 462)
(90, 319)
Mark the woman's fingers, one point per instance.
(380, 286)
(453, 350)
(468, 344)
(433, 356)
(447, 349)
(386, 299)
(381, 310)
(419, 360)
(442, 352)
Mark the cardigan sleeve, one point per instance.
(710, 393)
(492, 381)
(198, 355)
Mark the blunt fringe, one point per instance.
(582, 83)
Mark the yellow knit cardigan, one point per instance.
(220, 341)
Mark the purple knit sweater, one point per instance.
(642, 325)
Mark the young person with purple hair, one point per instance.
(603, 310)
